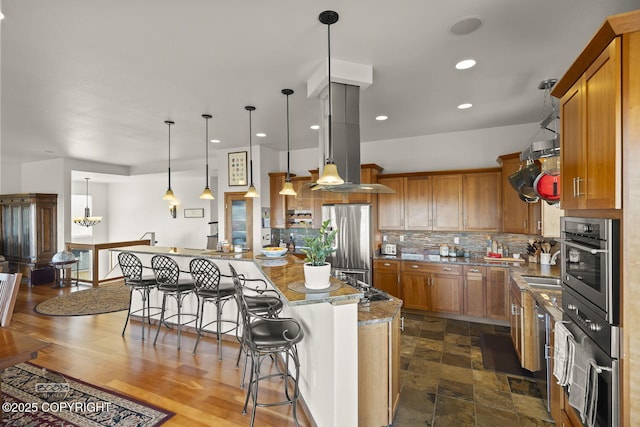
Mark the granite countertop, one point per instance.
(474, 260)
(550, 299)
(378, 311)
(186, 252)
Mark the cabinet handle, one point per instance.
(524, 224)
(402, 323)
(474, 270)
(386, 264)
(539, 225)
(414, 266)
(514, 311)
(465, 284)
(574, 187)
(578, 194)
(446, 268)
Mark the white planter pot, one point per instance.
(317, 276)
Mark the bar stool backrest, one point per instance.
(242, 304)
(130, 265)
(206, 274)
(165, 270)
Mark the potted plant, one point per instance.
(316, 270)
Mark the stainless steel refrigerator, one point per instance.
(353, 241)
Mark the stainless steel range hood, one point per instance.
(346, 142)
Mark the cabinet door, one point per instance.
(482, 197)
(556, 393)
(387, 280)
(395, 365)
(414, 290)
(571, 146)
(391, 206)
(517, 216)
(475, 293)
(277, 212)
(498, 293)
(445, 294)
(515, 319)
(602, 85)
(446, 202)
(417, 203)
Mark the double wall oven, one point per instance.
(591, 302)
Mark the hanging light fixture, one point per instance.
(287, 188)
(87, 220)
(206, 193)
(330, 174)
(169, 194)
(251, 192)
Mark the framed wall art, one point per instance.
(237, 168)
(194, 213)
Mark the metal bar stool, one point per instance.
(209, 288)
(267, 336)
(167, 275)
(262, 301)
(131, 267)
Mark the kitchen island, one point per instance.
(329, 351)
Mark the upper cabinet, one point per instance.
(441, 202)
(482, 201)
(590, 113)
(517, 216)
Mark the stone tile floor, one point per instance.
(443, 382)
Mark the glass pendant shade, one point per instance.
(169, 195)
(287, 189)
(330, 175)
(252, 192)
(87, 220)
(206, 193)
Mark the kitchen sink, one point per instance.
(543, 282)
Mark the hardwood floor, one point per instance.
(200, 389)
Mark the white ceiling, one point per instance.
(95, 80)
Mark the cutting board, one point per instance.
(488, 258)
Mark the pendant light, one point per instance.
(287, 188)
(87, 220)
(169, 194)
(251, 192)
(330, 174)
(206, 193)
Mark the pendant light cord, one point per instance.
(330, 159)
(288, 152)
(250, 152)
(169, 125)
(87, 194)
(206, 145)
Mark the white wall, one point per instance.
(136, 207)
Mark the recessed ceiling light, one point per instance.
(215, 141)
(466, 26)
(261, 135)
(465, 106)
(315, 127)
(381, 118)
(465, 64)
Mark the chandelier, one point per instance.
(87, 220)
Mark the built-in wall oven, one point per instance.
(591, 303)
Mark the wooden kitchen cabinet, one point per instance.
(391, 206)
(524, 328)
(482, 201)
(447, 202)
(434, 287)
(386, 276)
(475, 291)
(278, 202)
(497, 293)
(590, 135)
(417, 203)
(517, 216)
(378, 372)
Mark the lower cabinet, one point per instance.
(386, 276)
(524, 328)
(378, 372)
(497, 293)
(475, 291)
(435, 287)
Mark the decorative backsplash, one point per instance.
(426, 241)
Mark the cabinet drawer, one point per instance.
(385, 264)
(475, 269)
(432, 268)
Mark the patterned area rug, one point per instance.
(33, 396)
(103, 299)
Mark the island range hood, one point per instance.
(346, 142)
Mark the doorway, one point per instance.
(238, 216)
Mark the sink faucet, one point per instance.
(554, 257)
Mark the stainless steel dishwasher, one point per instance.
(543, 330)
